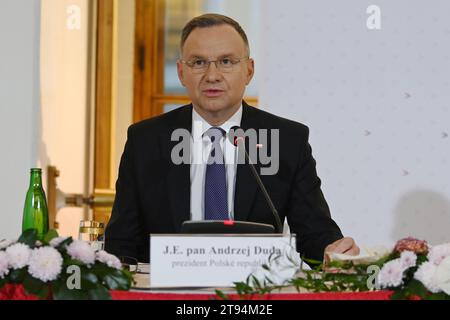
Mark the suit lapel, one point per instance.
(178, 176)
(245, 189)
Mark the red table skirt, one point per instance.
(17, 292)
(374, 295)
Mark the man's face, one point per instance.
(212, 91)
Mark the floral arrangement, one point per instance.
(60, 268)
(416, 270)
(412, 270)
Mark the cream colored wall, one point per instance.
(122, 78)
(64, 61)
(65, 117)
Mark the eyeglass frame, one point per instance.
(127, 265)
(234, 61)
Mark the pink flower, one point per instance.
(18, 255)
(425, 274)
(45, 264)
(82, 251)
(3, 264)
(439, 253)
(109, 259)
(408, 259)
(391, 275)
(411, 244)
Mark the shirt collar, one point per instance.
(200, 125)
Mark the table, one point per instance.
(139, 295)
(17, 292)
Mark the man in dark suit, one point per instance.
(156, 195)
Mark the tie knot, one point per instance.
(215, 134)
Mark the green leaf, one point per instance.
(99, 293)
(29, 237)
(421, 258)
(129, 275)
(62, 292)
(51, 234)
(101, 269)
(311, 261)
(3, 282)
(116, 280)
(438, 296)
(88, 279)
(221, 295)
(399, 295)
(416, 287)
(65, 243)
(18, 275)
(36, 287)
(242, 288)
(74, 262)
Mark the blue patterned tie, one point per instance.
(216, 199)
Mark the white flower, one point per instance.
(442, 276)
(5, 243)
(391, 275)
(82, 251)
(439, 253)
(3, 264)
(57, 241)
(109, 259)
(18, 255)
(408, 259)
(426, 275)
(45, 264)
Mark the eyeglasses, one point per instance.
(131, 264)
(225, 65)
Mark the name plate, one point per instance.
(196, 260)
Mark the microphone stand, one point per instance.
(278, 226)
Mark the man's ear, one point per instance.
(180, 72)
(250, 70)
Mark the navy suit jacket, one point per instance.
(153, 194)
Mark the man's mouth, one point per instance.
(211, 93)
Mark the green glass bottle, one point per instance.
(35, 212)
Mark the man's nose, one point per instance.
(212, 73)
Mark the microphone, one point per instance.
(236, 137)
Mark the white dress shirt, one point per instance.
(201, 149)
